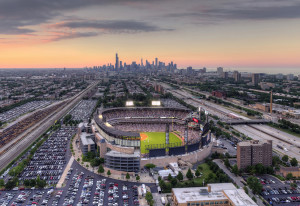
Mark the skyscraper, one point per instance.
(117, 61)
(237, 76)
(156, 60)
(220, 71)
(255, 79)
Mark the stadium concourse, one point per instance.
(130, 137)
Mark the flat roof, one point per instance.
(219, 192)
(239, 197)
(120, 154)
(85, 140)
(194, 194)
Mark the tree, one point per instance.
(289, 176)
(170, 177)
(174, 182)
(108, 173)
(100, 169)
(149, 198)
(189, 174)
(159, 178)
(293, 185)
(285, 158)
(180, 176)
(275, 160)
(197, 173)
(259, 168)
(127, 176)
(2, 183)
(10, 184)
(294, 162)
(235, 169)
(137, 178)
(254, 184)
(226, 163)
(95, 162)
(149, 166)
(246, 189)
(200, 168)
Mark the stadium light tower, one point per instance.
(129, 104)
(206, 114)
(156, 103)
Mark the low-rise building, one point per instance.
(295, 171)
(263, 107)
(221, 194)
(87, 143)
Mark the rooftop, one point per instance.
(85, 139)
(220, 191)
(113, 153)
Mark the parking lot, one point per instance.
(50, 159)
(81, 187)
(278, 193)
(23, 109)
(83, 110)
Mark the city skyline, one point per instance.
(75, 34)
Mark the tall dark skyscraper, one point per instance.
(156, 60)
(117, 61)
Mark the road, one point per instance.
(38, 129)
(236, 179)
(254, 133)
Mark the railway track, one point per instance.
(13, 150)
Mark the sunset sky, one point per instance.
(79, 33)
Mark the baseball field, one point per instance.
(148, 138)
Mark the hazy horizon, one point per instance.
(231, 33)
(285, 71)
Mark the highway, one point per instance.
(16, 148)
(282, 139)
(259, 132)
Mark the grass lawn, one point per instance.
(199, 181)
(205, 173)
(156, 138)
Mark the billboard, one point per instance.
(195, 120)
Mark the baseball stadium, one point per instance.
(130, 137)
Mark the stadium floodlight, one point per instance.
(107, 124)
(100, 116)
(156, 103)
(129, 103)
(206, 112)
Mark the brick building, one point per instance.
(254, 152)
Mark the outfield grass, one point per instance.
(157, 138)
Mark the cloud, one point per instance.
(220, 11)
(16, 14)
(111, 26)
(72, 35)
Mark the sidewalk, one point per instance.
(63, 176)
(237, 180)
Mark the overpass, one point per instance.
(250, 121)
